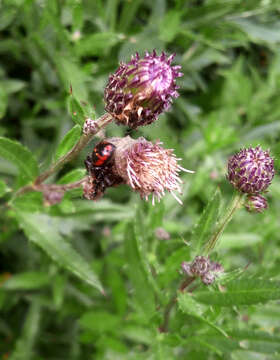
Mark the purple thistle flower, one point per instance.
(256, 203)
(147, 168)
(251, 170)
(139, 91)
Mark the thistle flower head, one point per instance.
(251, 170)
(256, 203)
(139, 91)
(147, 168)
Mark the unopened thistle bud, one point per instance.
(139, 91)
(201, 267)
(256, 203)
(147, 168)
(251, 170)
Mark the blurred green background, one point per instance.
(229, 98)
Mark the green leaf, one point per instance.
(30, 202)
(26, 281)
(3, 188)
(76, 110)
(99, 321)
(260, 32)
(240, 292)
(189, 306)
(69, 140)
(206, 222)
(72, 176)
(24, 345)
(170, 25)
(72, 75)
(12, 85)
(42, 230)
(97, 44)
(20, 156)
(137, 273)
(236, 240)
(3, 101)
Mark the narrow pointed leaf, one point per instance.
(68, 141)
(137, 273)
(240, 292)
(189, 306)
(21, 157)
(206, 222)
(42, 230)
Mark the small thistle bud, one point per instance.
(139, 91)
(162, 234)
(208, 278)
(256, 203)
(186, 267)
(251, 170)
(147, 168)
(216, 267)
(200, 265)
(52, 197)
(203, 268)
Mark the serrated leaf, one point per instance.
(189, 306)
(20, 156)
(143, 290)
(240, 292)
(26, 281)
(42, 230)
(68, 141)
(206, 222)
(97, 44)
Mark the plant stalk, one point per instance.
(234, 205)
(100, 123)
(83, 141)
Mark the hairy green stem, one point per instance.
(100, 123)
(234, 205)
(83, 141)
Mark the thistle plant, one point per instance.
(139, 91)
(250, 171)
(140, 254)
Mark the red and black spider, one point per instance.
(99, 166)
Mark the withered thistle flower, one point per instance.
(256, 203)
(139, 91)
(251, 170)
(147, 168)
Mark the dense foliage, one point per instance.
(85, 279)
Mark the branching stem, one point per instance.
(100, 123)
